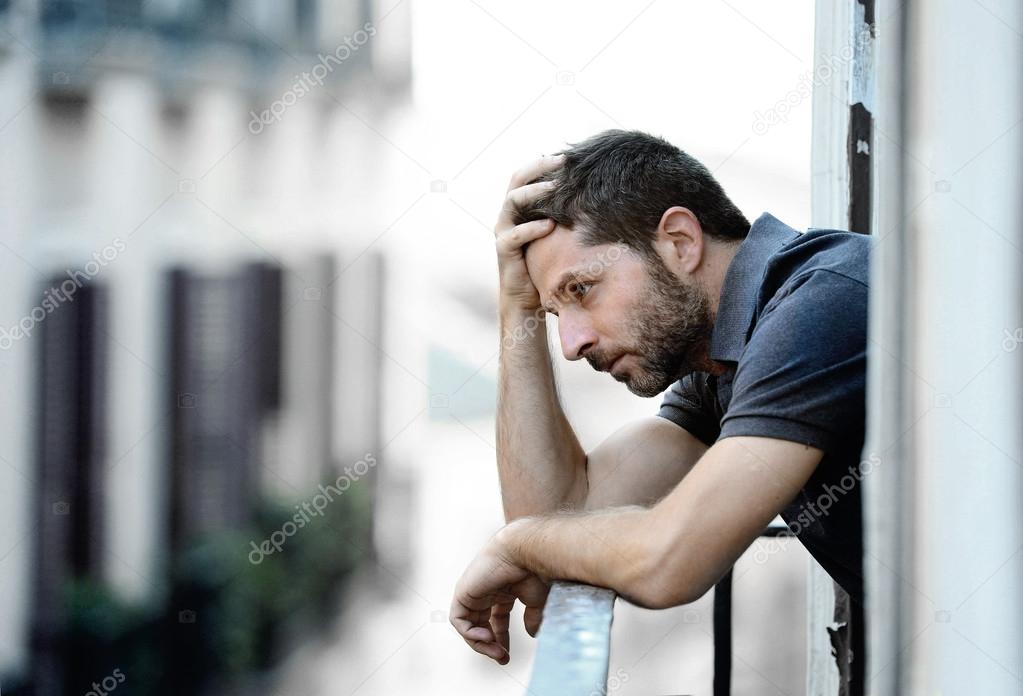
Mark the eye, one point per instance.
(579, 288)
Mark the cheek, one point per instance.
(628, 287)
(619, 313)
(645, 318)
(622, 299)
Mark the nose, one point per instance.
(577, 335)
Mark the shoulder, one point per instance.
(821, 270)
(820, 312)
(842, 253)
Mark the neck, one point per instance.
(718, 257)
(702, 361)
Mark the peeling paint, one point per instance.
(861, 84)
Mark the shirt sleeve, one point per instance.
(802, 376)
(690, 404)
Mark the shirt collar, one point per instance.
(739, 292)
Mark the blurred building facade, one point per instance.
(192, 193)
(184, 234)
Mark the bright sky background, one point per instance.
(495, 84)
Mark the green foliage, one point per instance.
(221, 615)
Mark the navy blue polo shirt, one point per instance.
(792, 328)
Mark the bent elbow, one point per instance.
(664, 580)
(662, 593)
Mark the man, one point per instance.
(760, 333)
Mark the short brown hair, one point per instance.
(617, 184)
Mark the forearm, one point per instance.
(675, 551)
(658, 557)
(623, 549)
(541, 464)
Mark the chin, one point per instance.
(645, 393)
(646, 388)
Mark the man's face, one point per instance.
(625, 314)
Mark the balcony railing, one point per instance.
(574, 643)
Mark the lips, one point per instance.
(614, 363)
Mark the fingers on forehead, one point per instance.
(524, 195)
(536, 168)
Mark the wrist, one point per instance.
(509, 541)
(519, 323)
(511, 310)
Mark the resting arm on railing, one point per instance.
(657, 557)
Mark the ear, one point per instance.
(679, 240)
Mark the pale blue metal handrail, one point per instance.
(574, 643)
